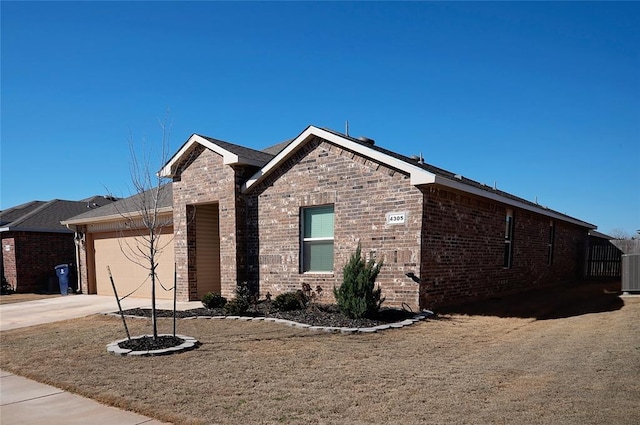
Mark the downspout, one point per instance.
(77, 239)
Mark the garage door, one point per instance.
(128, 276)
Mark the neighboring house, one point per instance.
(34, 241)
(110, 236)
(294, 214)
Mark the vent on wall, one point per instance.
(631, 273)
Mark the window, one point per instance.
(317, 239)
(508, 240)
(552, 236)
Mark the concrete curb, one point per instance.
(189, 343)
(424, 314)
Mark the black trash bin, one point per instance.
(62, 271)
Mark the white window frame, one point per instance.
(304, 241)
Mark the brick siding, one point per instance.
(204, 179)
(463, 245)
(452, 243)
(29, 265)
(362, 192)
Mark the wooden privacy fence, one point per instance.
(604, 260)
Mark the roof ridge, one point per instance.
(214, 140)
(39, 209)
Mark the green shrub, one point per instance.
(241, 303)
(289, 301)
(211, 300)
(236, 307)
(358, 297)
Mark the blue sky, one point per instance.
(541, 98)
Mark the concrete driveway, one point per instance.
(20, 315)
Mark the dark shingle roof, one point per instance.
(126, 206)
(242, 151)
(12, 214)
(39, 216)
(275, 149)
(452, 176)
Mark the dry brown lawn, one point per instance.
(20, 298)
(459, 369)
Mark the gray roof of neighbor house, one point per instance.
(126, 206)
(40, 216)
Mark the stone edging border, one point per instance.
(189, 344)
(424, 314)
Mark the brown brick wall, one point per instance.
(362, 192)
(204, 179)
(463, 246)
(33, 256)
(453, 242)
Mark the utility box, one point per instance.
(630, 273)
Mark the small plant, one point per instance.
(358, 297)
(241, 303)
(211, 300)
(289, 301)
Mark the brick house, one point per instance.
(34, 241)
(294, 213)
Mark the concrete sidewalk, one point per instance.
(23, 401)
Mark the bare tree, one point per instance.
(147, 213)
(620, 234)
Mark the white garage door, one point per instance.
(128, 276)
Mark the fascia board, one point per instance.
(417, 175)
(228, 158)
(508, 201)
(113, 217)
(33, 230)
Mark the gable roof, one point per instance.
(125, 207)
(231, 154)
(418, 172)
(39, 216)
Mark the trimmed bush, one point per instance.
(241, 303)
(211, 300)
(289, 301)
(358, 296)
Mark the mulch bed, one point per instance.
(313, 315)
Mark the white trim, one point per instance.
(443, 181)
(33, 230)
(418, 175)
(114, 217)
(228, 158)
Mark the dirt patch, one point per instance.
(459, 369)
